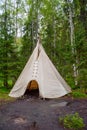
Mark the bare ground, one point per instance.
(32, 113)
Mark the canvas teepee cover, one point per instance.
(40, 69)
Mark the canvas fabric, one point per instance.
(40, 68)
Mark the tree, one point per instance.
(7, 47)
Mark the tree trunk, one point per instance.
(83, 14)
(5, 81)
(72, 38)
(37, 20)
(54, 37)
(5, 67)
(16, 28)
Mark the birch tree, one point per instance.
(72, 38)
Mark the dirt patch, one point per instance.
(32, 113)
(19, 120)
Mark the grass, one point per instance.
(4, 97)
(78, 93)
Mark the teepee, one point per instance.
(39, 72)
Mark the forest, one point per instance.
(62, 27)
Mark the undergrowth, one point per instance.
(72, 122)
(4, 94)
(78, 94)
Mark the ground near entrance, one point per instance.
(32, 113)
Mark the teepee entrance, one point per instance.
(32, 88)
(32, 85)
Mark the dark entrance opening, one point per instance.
(32, 89)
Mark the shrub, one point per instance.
(78, 95)
(72, 122)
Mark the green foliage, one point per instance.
(72, 122)
(20, 22)
(4, 94)
(8, 53)
(77, 94)
(4, 90)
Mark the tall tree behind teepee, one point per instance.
(72, 38)
(7, 48)
(30, 30)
